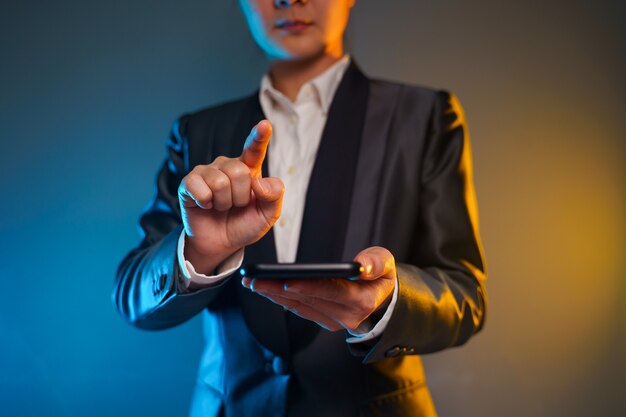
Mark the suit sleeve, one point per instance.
(149, 290)
(441, 296)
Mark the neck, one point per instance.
(289, 76)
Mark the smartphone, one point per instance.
(347, 270)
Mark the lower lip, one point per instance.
(296, 27)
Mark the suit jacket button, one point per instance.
(394, 351)
(279, 366)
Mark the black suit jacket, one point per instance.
(399, 160)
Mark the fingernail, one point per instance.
(367, 266)
(263, 187)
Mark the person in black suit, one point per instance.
(389, 185)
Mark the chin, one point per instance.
(299, 50)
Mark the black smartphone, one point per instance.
(347, 270)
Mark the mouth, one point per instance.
(293, 24)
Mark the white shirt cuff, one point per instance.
(194, 280)
(361, 334)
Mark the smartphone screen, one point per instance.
(347, 270)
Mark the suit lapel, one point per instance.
(329, 194)
(366, 193)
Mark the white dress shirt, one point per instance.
(296, 135)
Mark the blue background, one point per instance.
(88, 91)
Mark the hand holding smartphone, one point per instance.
(347, 270)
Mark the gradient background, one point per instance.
(88, 91)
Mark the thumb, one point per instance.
(269, 194)
(377, 262)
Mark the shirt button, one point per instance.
(293, 118)
(282, 222)
(291, 169)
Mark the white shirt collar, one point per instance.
(325, 85)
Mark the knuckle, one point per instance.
(220, 182)
(190, 179)
(238, 170)
(190, 185)
(196, 170)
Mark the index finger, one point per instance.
(255, 148)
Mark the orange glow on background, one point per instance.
(544, 96)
